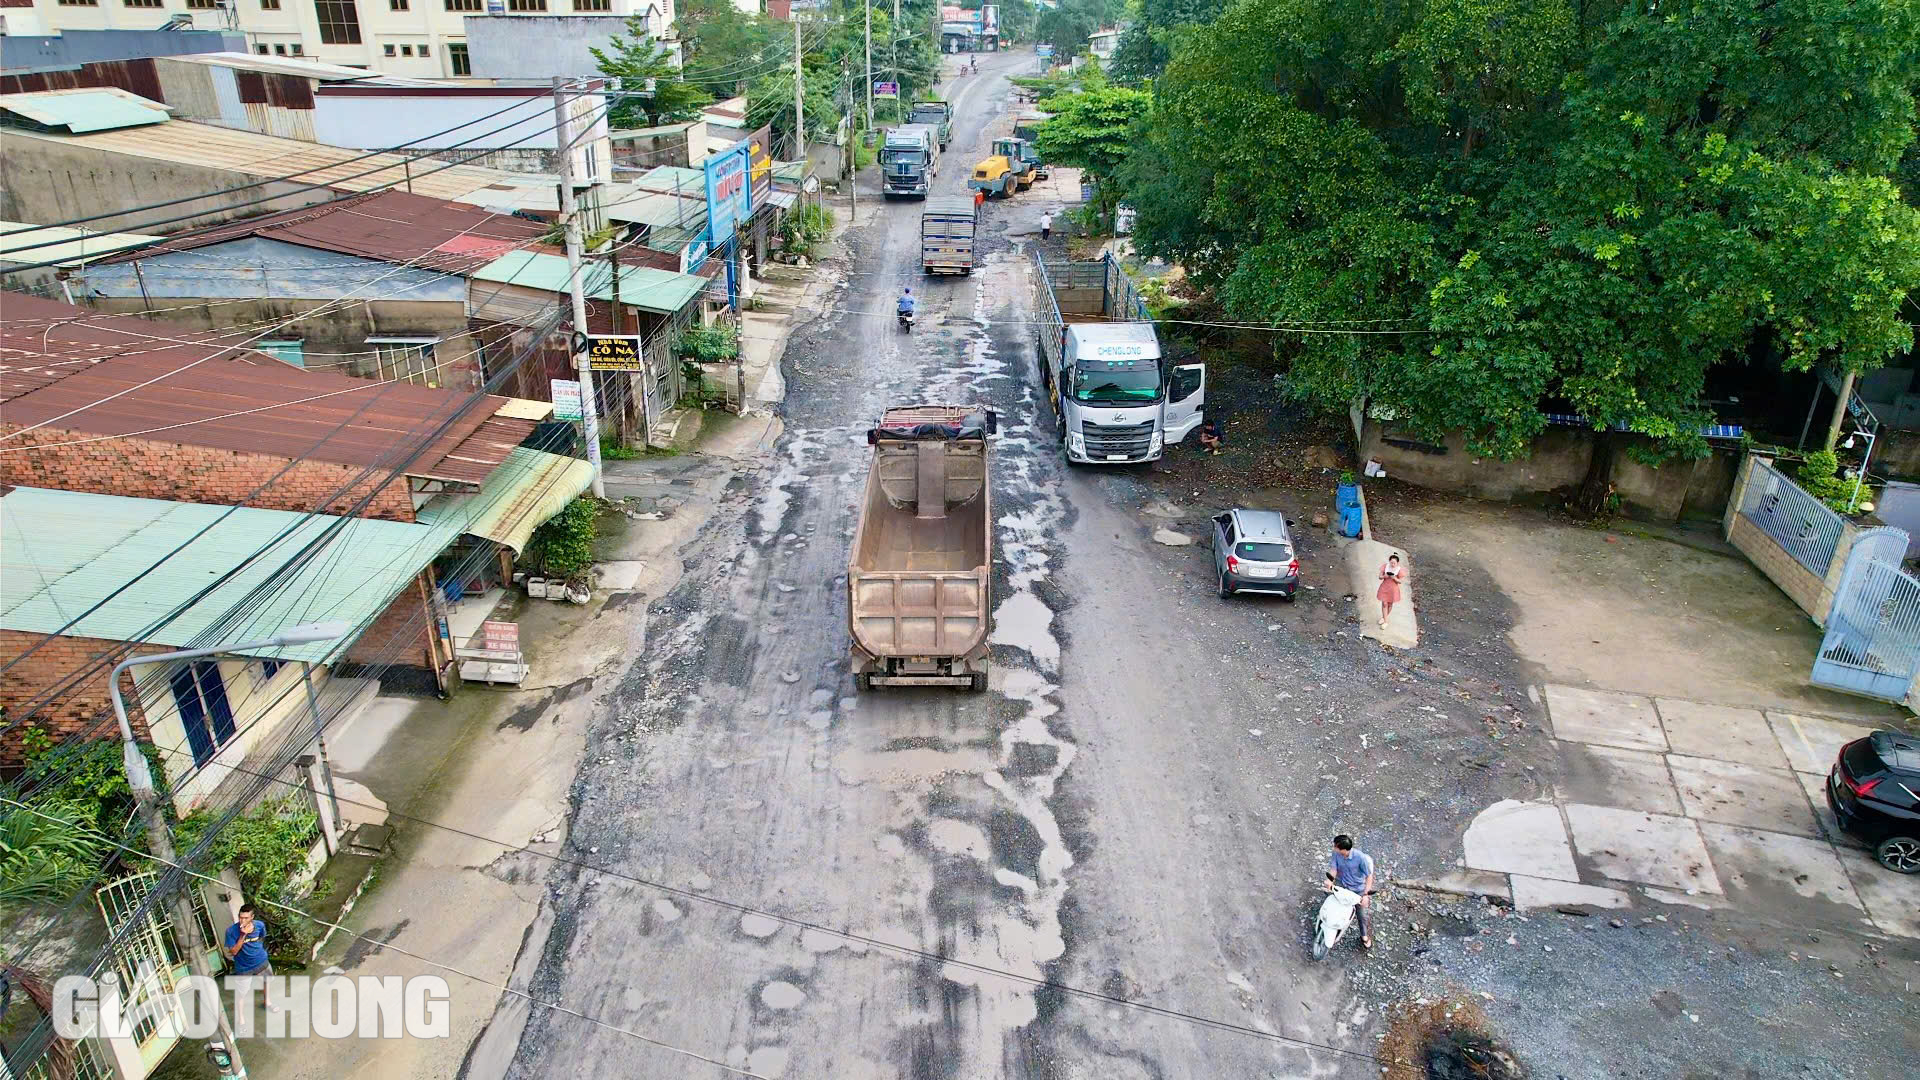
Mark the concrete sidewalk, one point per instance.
(1691, 803)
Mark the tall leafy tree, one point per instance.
(639, 62)
(1543, 205)
(1147, 44)
(1093, 130)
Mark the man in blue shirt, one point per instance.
(1353, 870)
(907, 302)
(246, 944)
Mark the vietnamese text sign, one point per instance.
(500, 635)
(886, 89)
(566, 400)
(760, 167)
(726, 191)
(615, 352)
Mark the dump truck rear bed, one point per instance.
(919, 573)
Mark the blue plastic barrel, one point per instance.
(1350, 521)
(1346, 495)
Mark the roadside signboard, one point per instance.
(615, 352)
(727, 193)
(760, 166)
(1044, 52)
(566, 400)
(886, 89)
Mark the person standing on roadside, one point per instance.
(245, 948)
(1391, 575)
(1046, 225)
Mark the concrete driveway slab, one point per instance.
(1816, 789)
(1627, 845)
(1609, 776)
(1595, 716)
(1813, 742)
(1720, 731)
(1513, 837)
(1893, 900)
(1742, 795)
(1778, 875)
(1533, 892)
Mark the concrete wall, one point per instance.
(376, 117)
(539, 46)
(1557, 465)
(154, 469)
(87, 46)
(53, 179)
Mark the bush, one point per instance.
(612, 449)
(90, 777)
(1819, 475)
(47, 853)
(709, 344)
(563, 546)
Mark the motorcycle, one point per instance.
(1338, 913)
(906, 322)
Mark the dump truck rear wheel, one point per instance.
(863, 682)
(977, 683)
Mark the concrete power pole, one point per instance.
(799, 106)
(893, 62)
(869, 74)
(576, 288)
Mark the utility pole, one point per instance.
(799, 107)
(893, 64)
(576, 288)
(853, 183)
(869, 74)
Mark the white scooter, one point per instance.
(1338, 913)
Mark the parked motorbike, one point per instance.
(906, 322)
(1338, 912)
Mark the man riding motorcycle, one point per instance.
(907, 302)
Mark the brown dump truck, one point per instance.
(919, 573)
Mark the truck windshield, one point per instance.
(900, 157)
(1121, 387)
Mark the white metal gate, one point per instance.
(1872, 646)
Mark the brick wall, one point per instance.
(76, 710)
(405, 636)
(151, 469)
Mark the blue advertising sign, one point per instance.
(728, 203)
(1044, 52)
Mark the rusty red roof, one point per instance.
(188, 390)
(392, 226)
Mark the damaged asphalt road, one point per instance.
(1102, 868)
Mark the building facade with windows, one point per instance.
(420, 38)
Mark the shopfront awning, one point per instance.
(527, 489)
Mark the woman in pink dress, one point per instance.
(1389, 591)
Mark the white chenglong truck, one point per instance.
(1115, 395)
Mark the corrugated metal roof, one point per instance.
(662, 292)
(61, 552)
(61, 245)
(79, 111)
(208, 146)
(312, 69)
(392, 226)
(529, 488)
(231, 401)
(657, 208)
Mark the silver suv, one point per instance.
(1253, 552)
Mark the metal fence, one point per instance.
(1803, 526)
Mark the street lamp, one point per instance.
(1860, 475)
(140, 780)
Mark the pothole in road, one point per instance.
(1448, 1039)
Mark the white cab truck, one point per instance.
(909, 160)
(921, 565)
(1117, 398)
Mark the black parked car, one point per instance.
(1872, 790)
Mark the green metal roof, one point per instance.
(81, 111)
(662, 292)
(527, 489)
(656, 208)
(62, 552)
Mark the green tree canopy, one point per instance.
(1542, 205)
